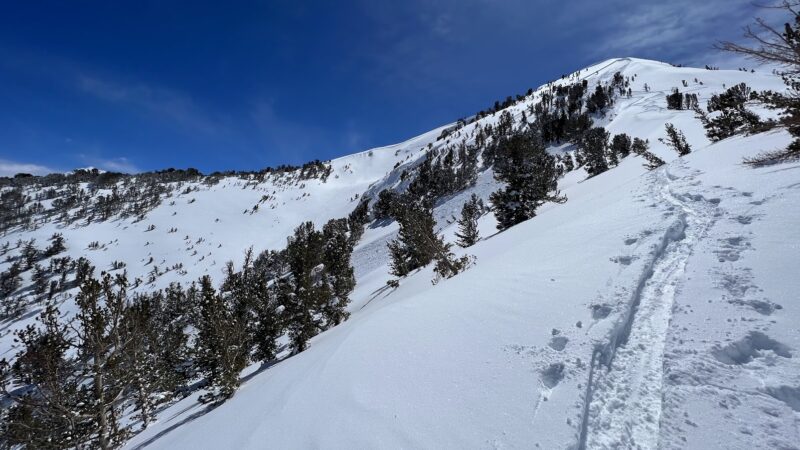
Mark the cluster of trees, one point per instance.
(728, 115)
(496, 107)
(418, 244)
(560, 114)
(679, 101)
(74, 376)
(89, 195)
(445, 172)
(529, 175)
(517, 153)
(780, 46)
(48, 280)
(598, 150)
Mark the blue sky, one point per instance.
(147, 85)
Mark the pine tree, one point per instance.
(83, 270)
(102, 341)
(339, 273)
(676, 140)
(268, 323)
(141, 361)
(782, 47)
(640, 147)
(305, 295)
(569, 163)
(592, 147)
(730, 116)
(56, 245)
(598, 100)
(417, 243)
(174, 352)
(386, 206)
(621, 145)
(357, 219)
(40, 279)
(30, 254)
(530, 177)
(50, 413)
(675, 99)
(10, 279)
(468, 223)
(220, 345)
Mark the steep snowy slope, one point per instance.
(652, 308)
(652, 276)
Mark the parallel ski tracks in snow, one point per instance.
(624, 393)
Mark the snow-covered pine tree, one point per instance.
(569, 162)
(467, 233)
(268, 326)
(530, 177)
(676, 140)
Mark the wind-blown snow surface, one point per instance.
(651, 309)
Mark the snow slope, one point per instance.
(652, 309)
(631, 273)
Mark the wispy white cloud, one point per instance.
(683, 30)
(161, 102)
(11, 168)
(297, 141)
(165, 103)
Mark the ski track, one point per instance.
(624, 393)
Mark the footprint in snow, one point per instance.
(748, 348)
(763, 307)
(558, 343)
(600, 311)
(731, 248)
(553, 375)
(624, 260)
(787, 394)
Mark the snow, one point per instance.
(652, 309)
